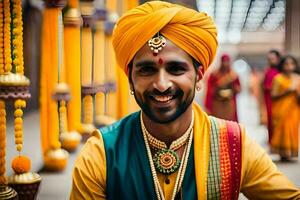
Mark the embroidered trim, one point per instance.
(214, 174)
(225, 161)
(224, 172)
(234, 139)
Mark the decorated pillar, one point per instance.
(70, 114)
(110, 61)
(52, 76)
(14, 87)
(101, 117)
(88, 89)
(292, 28)
(126, 102)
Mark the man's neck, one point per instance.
(170, 131)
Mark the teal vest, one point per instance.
(128, 169)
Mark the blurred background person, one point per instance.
(271, 71)
(222, 88)
(286, 109)
(255, 78)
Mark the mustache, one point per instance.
(168, 92)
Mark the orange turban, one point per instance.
(193, 31)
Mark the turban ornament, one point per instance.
(157, 43)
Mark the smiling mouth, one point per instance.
(163, 98)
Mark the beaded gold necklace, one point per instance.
(166, 160)
(182, 168)
(175, 145)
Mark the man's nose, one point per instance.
(162, 81)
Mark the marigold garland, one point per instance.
(21, 164)
(19, 104)
(17, 41)
(3, 179)
(88, 109)
(63, 116)
(7, 36)
(1, 38)
(73, 3)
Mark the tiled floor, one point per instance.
(56, 186)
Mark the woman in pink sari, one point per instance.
(273, 61)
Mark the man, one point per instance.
(222, 88)
(274, 58)
(172, 149)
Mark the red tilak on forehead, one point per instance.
(155, 54)
(160, 61)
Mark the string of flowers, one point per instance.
(19, 104)
(73, 3)
(17, 25)
(1, 38)
(63, 116)
(3, 179)
(20, 164)
(88, 109)
(7, 37)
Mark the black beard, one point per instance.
(182, 107)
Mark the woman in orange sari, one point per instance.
(286, 109)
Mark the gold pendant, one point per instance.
(166, 161)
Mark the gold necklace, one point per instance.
(175, 145)
(166, 160)
(182, 168)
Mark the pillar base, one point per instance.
(26, 184)
(86, 131)
(70, 140)
(7, 192)
(56, 159)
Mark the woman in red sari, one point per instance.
(222, 88)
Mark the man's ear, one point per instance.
(199, 73)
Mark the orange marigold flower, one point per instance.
(18, 140)
(18, 127)
(19, 134)
(18, 113)
(19, 147)
(18, 120)
(21, 164)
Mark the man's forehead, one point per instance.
(169, 52)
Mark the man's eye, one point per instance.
(146, 70)
(176, 69)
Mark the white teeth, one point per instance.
(162, 98)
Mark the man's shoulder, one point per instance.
(219, 120)
(219, 125)
(120, 125)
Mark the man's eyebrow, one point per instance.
(177, 63)
(145, 63)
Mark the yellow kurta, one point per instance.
(260, 178)
(286, 118)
